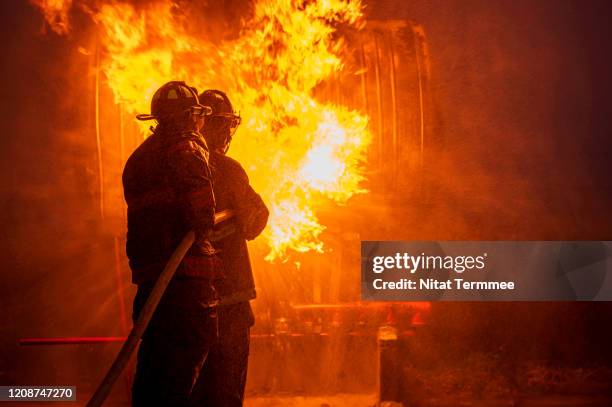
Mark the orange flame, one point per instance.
(300, 153)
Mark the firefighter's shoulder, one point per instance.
(229, 165)
(140, 159)
(188, 142)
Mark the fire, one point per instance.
(300, 153)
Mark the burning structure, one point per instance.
(311, 80)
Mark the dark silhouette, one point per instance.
(223, 380)
(168, 189)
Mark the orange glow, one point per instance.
(56, 13)
(300, 153)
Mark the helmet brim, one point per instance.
(144, 117)
(207, 111)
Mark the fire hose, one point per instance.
(147, 311)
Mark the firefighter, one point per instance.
(223, 380)
(168, 189)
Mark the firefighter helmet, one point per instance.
(221, 124)
(173, 99)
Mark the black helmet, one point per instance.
(221, 124)
(173, 99)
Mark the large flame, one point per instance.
(300, 153)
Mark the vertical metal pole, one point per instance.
(417, 54)
(97, 125)
(365, 103)
(395, 144)
(122, 155)
(121, 135)
(379, 103)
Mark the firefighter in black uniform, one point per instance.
(224, 377)
(168, 189)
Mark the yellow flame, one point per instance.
(299, 153)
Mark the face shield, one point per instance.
(220, 128)
(223, 123)
(199, 111)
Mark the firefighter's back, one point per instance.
(155, 221)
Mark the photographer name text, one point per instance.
(411, 264)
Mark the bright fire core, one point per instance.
(300, 153)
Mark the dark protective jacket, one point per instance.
(233, 191)
(168, 189)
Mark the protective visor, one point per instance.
(195, 110)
